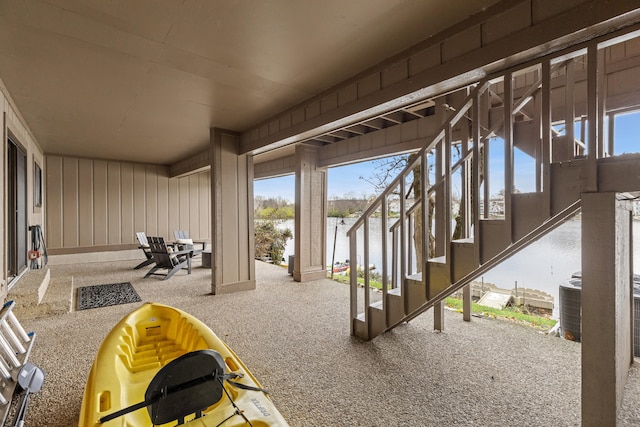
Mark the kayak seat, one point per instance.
(186, 385)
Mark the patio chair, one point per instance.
(168, 259)
(143, 244)
(184, 242)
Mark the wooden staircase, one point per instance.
(465, 271)
(513, 110)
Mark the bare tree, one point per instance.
(388, 169)
(385, 170)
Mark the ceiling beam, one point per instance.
(448, 61)
(396, 117)
(376, 123)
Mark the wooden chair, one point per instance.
(143, 244)
(183, 241)
(167, 259)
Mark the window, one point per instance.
(37, 185)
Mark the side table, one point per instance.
(206, 258)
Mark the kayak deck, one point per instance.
(145, 341)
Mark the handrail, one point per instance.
(440, 134)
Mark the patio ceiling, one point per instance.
(145, 80)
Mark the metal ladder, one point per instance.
(15, 347)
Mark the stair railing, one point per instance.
(403, 201)
(416, 208)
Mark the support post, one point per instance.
(607, 306)
(438, 316)
(232, 239)
(311, 214)
(466, 303)
(592, 117)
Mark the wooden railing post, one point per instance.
(592, 117)
(545, 122)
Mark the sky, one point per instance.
(346, 180)
(341, 181)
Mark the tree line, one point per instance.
(278, 208)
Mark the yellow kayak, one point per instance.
(160, 366)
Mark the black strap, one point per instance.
(126, 410)
(168, 390)
(247, 387)
(162, 393)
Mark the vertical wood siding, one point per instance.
(127, 227)
(99, 203)
(53, 185)
(85, 201)
(70, 197)
(114, 201)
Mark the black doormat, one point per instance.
(106, 295)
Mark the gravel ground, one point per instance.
(295, 338)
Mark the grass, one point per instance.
(343, 278)
(513, 314)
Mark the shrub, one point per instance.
(270, 213)
(270, 240)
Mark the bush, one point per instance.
(337, 213)
(270, 240)
(284, 212)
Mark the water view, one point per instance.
(542, 266)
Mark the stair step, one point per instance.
(395, 310)
(38, 295)
(464, 258)
(377, 320)
(439, 276)
(495, 236)
(528, 213)
(30, 290)
(464, 241)
(416, 294)
(417, 277)
(396, 292)
(59, 296)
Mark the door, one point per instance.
(16, 210)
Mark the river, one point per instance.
(543, 265)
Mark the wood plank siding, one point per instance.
(104, 203)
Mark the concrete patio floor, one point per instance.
(295, 339)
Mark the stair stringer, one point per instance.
(531, 237)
